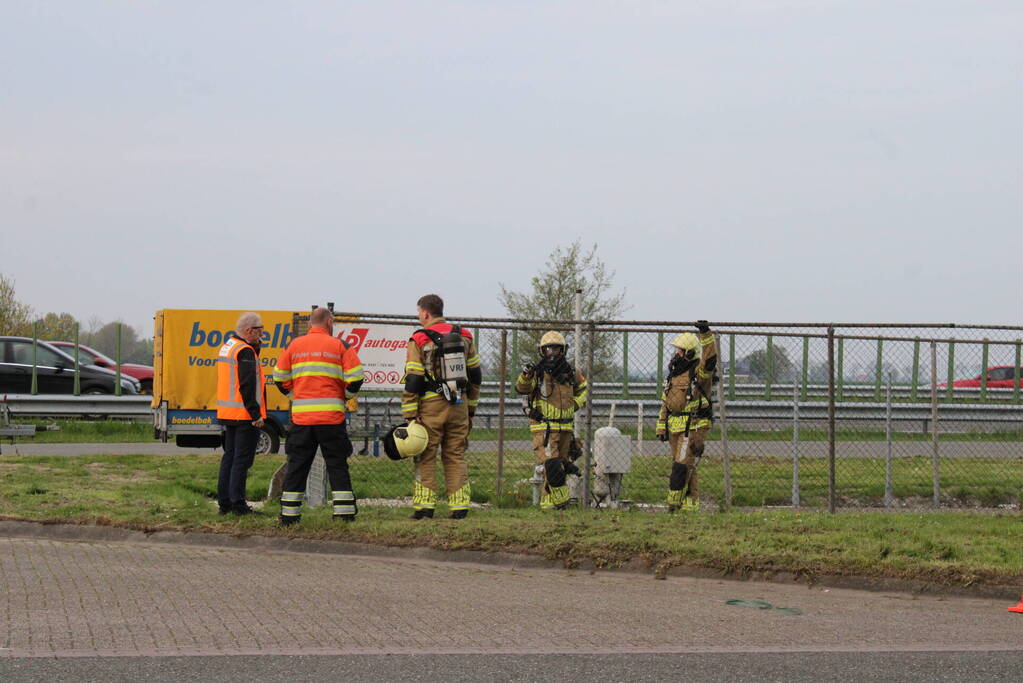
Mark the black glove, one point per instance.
(702, 326)
(528, 368)
(663, 436)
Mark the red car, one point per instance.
(90, 356)
(998, 377)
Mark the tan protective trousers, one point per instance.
(448, 426)
(697, 437)
(559, 445)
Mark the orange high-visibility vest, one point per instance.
(230, 405)
(316, 368)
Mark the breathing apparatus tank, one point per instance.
(448, 363)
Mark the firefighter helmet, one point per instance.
(552, 338)
(406, 441)
(688, 342)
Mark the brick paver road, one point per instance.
(127, 598)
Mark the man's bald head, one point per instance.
(322, 317)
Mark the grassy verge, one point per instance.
(109, 431)
(176, 492)
(90, 431)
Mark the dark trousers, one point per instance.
(301, 449)
(240, 441)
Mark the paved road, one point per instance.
(166, 610)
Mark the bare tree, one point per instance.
(551, 296)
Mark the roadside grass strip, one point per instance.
(150, 492)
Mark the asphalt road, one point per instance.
(131, 610)
(909, 667)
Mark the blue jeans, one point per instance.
(239, 452)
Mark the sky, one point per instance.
(769, 160)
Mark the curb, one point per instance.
(94, 533)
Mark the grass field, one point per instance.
(177, 492)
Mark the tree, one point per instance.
(760, 364)
(552, 297)
(56, 327)
(133, 348)
(15, 317)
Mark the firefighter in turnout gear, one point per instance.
(320, 372)
(553, 391)
(442, 389)
(686, 412)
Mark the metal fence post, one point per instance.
(795, 445)
(888, 439)
(78, 365)
(936, 465)
(588, 453)
(831, 418)
(498, 485)
(769, 380)
(35, 358)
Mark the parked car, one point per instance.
(55, 371)
(90, 356)
(998, 377)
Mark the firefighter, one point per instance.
(442, 389)
(553, 391)
(320, 372)
(686, 411)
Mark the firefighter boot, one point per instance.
(676, 483)
(557, 495)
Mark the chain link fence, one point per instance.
(818, 416)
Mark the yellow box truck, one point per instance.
(185, 347)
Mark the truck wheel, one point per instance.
(269, 440)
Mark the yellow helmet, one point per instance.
(406, 441)
(688, 342)
(552, 338)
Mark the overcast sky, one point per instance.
(761, 160)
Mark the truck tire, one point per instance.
(269, 440)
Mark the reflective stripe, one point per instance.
(317, 370)
(344, 509)
(342, 495)
(231, 388)
(291, 512)
(707, 342)
(472, 362)
(411, 365)
(422, 497)
(460, 499)
(289, 496)
(332, 402)
(353, 374)
(282, 375)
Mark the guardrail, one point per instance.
(66, 405)
(782, 412)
